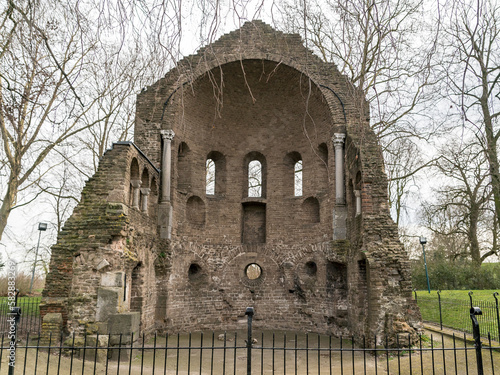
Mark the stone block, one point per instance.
(124, 324)
(107, 302)
(112, 279)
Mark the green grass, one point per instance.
(455, 305)
(29, 305)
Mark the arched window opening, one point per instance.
(298, 178)
(210, 177)
(254, 179)
(135, 184)
(215, 174)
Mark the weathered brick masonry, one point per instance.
(168, 249)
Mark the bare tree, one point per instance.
(473, 70)
(462, 211)
(386, 50)
(69, 76)
(40, 105)
(402, 160)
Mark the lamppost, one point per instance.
(423, 241)
(42, 227)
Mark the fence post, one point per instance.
(15, 313)
(498, 316)
(249, 312)
(477, 338)
(415, 291)
(440, 313)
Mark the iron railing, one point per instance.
(246, 352)
(30, 320)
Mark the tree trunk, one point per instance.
(474, 243)
(9, 200)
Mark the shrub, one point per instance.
(23, 284)
(460, 274)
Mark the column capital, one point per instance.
(357, 193)
(338, 139)
(167, 135)
(136, 184)
(145, 191)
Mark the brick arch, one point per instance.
(331, 94)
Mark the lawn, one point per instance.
(29, 305)
(455, 305)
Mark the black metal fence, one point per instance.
(454, 313)
(30, 321)
(246, 352)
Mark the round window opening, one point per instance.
(253, 271)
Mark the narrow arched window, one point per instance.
(297, 169)
(254, 179)
(210, 177)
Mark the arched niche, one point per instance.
(195, 211)
(310, 210)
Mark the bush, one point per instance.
(23, 282)
(461, 274)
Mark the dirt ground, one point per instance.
(190, 359)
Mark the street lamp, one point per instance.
(423, 241)
(42, 227)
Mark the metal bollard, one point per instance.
(477, 338)
(249, 312)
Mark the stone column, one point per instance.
(144, 205)
(357, 194)
(165, 207)
(338, 142)
(166, 167)
(136, 186)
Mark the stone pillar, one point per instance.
(357, 194)
(340, 209)
(165, 207)
(145, 194)
(338, 143)
(166, 165)
(136, 185)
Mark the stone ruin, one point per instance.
(254, 179)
